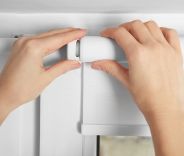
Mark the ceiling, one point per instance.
(99, 6)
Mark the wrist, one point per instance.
(162, 107)
(167, 129)
(164, 116)
(5, 108)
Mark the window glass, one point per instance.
(126, 146)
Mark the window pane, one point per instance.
(126, 146)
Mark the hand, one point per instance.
(24, 76)
(155, 78)
(155, 75)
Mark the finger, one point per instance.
(52, 43)
(172, 38)
(155, 31)
(138, 30)
(113, 68)
(56, 31)
(123, 38)
(61, 68)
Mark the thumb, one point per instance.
(61, 68)
(113, 68)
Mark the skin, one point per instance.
(155, 76)
(24, 77)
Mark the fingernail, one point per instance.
(76, 64)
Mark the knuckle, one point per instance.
(118, 31)
(171, 31)
(136, 22)
(151, 22)
(136, 25)
(20, 41)
(30, 43)
(30, 46)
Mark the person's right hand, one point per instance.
(155, 76)
(24, 76)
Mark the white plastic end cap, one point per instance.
(71, 51)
